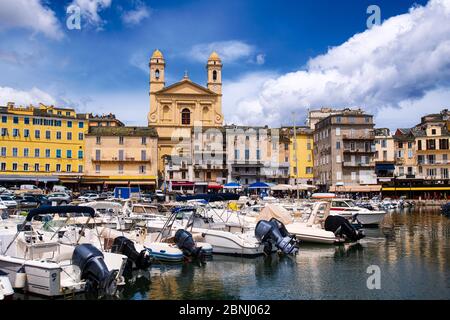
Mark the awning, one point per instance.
(370, 188)
(232, 185)
(258, 185)
(29, 178)
(214, 185)
(384, 166)
(281, 187)
(131, 182)
(201, 183)
(182, 184)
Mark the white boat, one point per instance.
(348, 209)
(6, 289)
(44, 266)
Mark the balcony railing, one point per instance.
(362, 136)
(116, 159)
(356, 164)
(359, 150)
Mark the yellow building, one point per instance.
(301, 155)
(176, 109)
(41, 144)
(118, 156)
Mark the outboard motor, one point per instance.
(94, 270)
(274, 232)
(342, 227)
(125, 246)
(186, 243)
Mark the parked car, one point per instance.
(27, 201)
(62, 189)
(89, 197)
(60, 198)
(8, 201)
(29, 188)
(42, 199)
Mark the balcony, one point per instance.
(433, 163)
(362, 136)
(359, 150)
(355, 164)
(209, 167)
(117, 160)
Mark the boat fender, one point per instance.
(21, 278)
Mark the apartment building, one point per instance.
(300, 155)
(41, 144)
(104, 120)
(344, 150)
(317, 115)
(384, 154)
(405, 155)
(118, 156)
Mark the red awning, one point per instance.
(214, 186)
(182, 184)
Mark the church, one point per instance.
(177, 108)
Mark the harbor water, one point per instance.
(411, 250)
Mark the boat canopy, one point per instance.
(210, 197)
(259, 185)
(59, 209)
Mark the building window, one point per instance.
(171, 175)
(80, 154)
(47, 153)
(144, 140)
(433, 131)
(36, 153)
(338, 131)
(69, 154)
(15, 120)
(36, 167)
(80, 168)
(444, 173)
(14, 152)
(142, 169)
(157, 74)
(25, 167)
(236, 154)
(26, 120)
(58, 135)
(338, 119)
(69, 124)
(214, 75)
(4, 132)
(98, 140)
(97, 168)
(47, 167)
(3, 166)
(443, 144)
(247, 154)
(80, 136)
(400, 145)
(15, 132)
(26, 152)
(120, 140)
(97, 154)
(431, 144)
(121, 155)
(183, 175)
(120, 168)
(81, 125)
(258, 154)
(338, 145)
(419, 144)
(69, 135)
(14, 166)
(143, 155)
(186, 116)
(4, 119)
(69, 168)
(58, 167)
(410, 154)
(208, 175)
(58, 153)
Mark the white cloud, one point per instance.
(229, 51)
(134, 17)
(260, 58)
(380, 69)
(30, 14)
(24, 98)
(90, 9)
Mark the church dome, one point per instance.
(214, 56)
(157, 54)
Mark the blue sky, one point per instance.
(276, 55)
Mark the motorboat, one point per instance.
(6, 289)
(43, 265)
(310, 230)
(348, 209)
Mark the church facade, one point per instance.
(177, 109)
